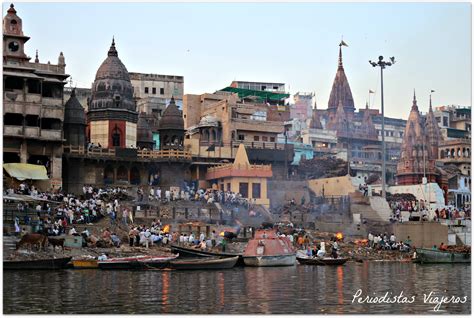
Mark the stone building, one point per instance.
(125, 157)
(112, 115)
(33, 104)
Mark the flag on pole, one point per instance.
(343, 43)
(371, 91)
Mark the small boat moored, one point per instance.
(133, 262)
(424, 255)
(204, 263)
(321, 261)
(50, 263)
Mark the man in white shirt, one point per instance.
(158, 194)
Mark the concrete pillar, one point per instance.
(23, 152)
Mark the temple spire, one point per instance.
(340, 58)
(36, 58)
(414, 106)
(113, 50)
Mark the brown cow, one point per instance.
(55, 241)
(33, 239)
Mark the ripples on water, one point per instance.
(278, 290)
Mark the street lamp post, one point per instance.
(382, 64)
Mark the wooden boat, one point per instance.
(204, 263)
(132, 262)
(193, 252)
(50, 263)
(268, 249)
(321, 261)
(424, 255)
(85, 263)
(156, 262)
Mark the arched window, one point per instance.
(122, 174)
(116, 137)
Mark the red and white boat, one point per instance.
(268, 249)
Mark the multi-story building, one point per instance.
(454, 121)
(159, 87)
(455, 151)
(33, 104)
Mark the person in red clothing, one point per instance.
(443, 247)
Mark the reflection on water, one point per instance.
(286, 290)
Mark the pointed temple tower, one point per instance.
(367, 124)
(315, 121)
(341, 91)
(112, 115)
(417, 152)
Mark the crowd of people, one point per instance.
(386, 242)
(189, 194)
(55, 211)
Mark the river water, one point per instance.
(273, 290)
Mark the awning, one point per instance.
(23, 171)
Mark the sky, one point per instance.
(212, 44)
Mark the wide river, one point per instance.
(274, 290)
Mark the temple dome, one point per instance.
(112, 91)
(172, 117)
(112, 66)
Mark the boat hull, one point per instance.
(322, 261)
(142, 262)
(194, 264)
(56, 263)
(270, 260)
(426, 256)
(191, 252)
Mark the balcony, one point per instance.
(32, 132)
(51, 134)
(33, 98)
(13, 108)
(12, 130)
(49, 101)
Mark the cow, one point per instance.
(55, 241)
(33, 239)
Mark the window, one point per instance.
(146, 90)
(162, 91)
(445, 121)
(401, 134)
(256, 190)
(153, 90)
(241, 137)
(244, 189)
(256, 138)
(228, 186)
(264, 88)
(264, 138)
(222, 187)
(272, 139)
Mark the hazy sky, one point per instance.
(293, 43)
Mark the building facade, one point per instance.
(33, 104)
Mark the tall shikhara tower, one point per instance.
(341, 103)
(419, 148)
